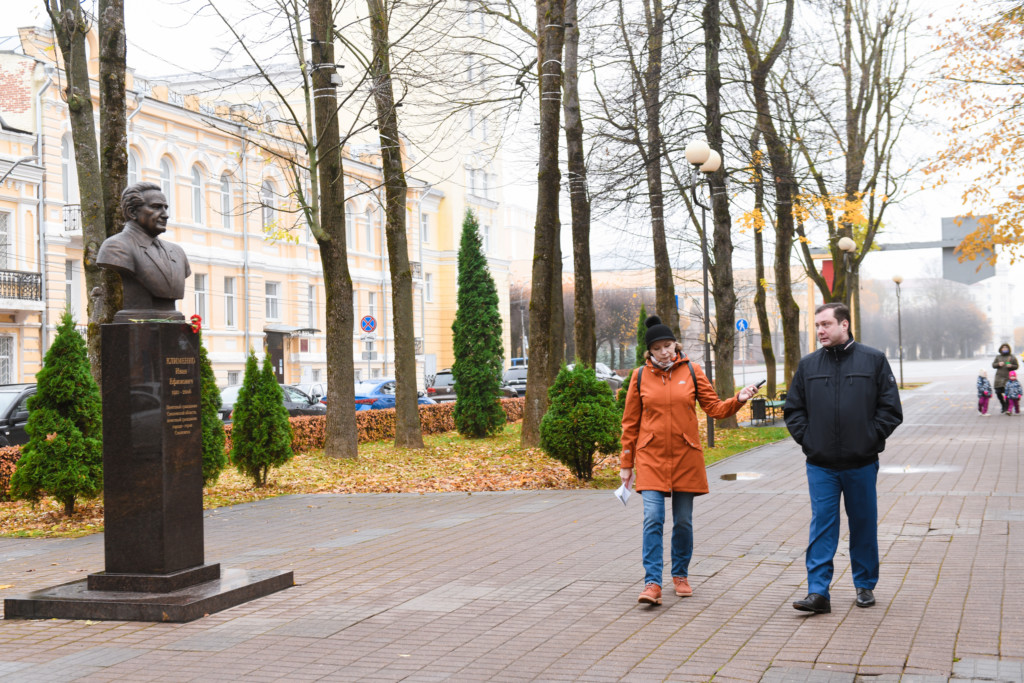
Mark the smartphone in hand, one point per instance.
(760, 384)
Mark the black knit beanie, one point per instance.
(656, 331)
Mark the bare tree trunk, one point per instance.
(782, 172)
(341, 435)
(71, 26)
(760, 294)
(113, 155)
(408, 432)
(664, 285)
(579, 197)
(721, 268)
(543, 306)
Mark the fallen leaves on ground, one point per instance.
(448, 463)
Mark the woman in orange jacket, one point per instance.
(660, 439)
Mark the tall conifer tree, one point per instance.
(64, 455)
(477, 340)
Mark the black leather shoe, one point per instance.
(865, 598)
(814, 602)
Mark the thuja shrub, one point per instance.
(262, 433)
(215, 458)
(582, 419)
(64, 454)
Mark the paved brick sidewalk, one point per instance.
(543, 585)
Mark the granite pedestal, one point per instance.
(153, 493)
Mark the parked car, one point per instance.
(606, 375)
(317, 390)
(295, 400)
(14, 413)
(442, 389)
(377, 394)
(516, 378)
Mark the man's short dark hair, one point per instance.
(840, 310)
(132, 198)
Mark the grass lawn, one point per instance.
(448, 463)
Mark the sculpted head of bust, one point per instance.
(152, 271)
(146, 205)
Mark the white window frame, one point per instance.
(371, 307)
(267, 211)
(133, 168)
(350, 227)
(273, 300)
(425, 228)
(6, 243)
(428, 286)
(7, 365)
(197, 195)
(229, 303)
(199, 284)
(311, 314)
(225, 201)
(233, 377)
(167, 180)
(368, 217)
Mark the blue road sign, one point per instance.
(742, 325)
(368, 324)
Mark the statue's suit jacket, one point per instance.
(160, 271)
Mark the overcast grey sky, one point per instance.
(164, 37)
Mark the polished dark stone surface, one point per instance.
(75, 601)
(152, 453)
(153, 583)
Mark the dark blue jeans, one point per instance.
(857, 488)
(654, 526)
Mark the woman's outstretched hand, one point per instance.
(747, 393)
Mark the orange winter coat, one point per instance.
(660, 437)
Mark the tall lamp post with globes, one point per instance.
(704, 160)
(899, 324)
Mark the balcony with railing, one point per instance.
(16, 285)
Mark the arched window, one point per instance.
(197, 195)
(133, 168)
(67, 174)
(166, 175)
(267, 200)
(350, 227)
(225, 201)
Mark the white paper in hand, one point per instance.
(623, 493)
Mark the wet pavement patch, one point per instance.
(741, 476)
(919, 469)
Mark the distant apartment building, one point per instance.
(257, 279)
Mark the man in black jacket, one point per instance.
(841, 406)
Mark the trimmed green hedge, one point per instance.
(308, 432)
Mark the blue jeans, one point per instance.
(682, 534)
(857, 488)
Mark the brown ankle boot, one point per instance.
(651, 594)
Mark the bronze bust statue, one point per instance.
(152, 271)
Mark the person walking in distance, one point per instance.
(1005, 362)
(660, 439)
(1013, 393)
(842, 404)
(984, 393)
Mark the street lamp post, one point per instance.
(704, 160)
(899, 324)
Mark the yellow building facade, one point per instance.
(257, 279)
